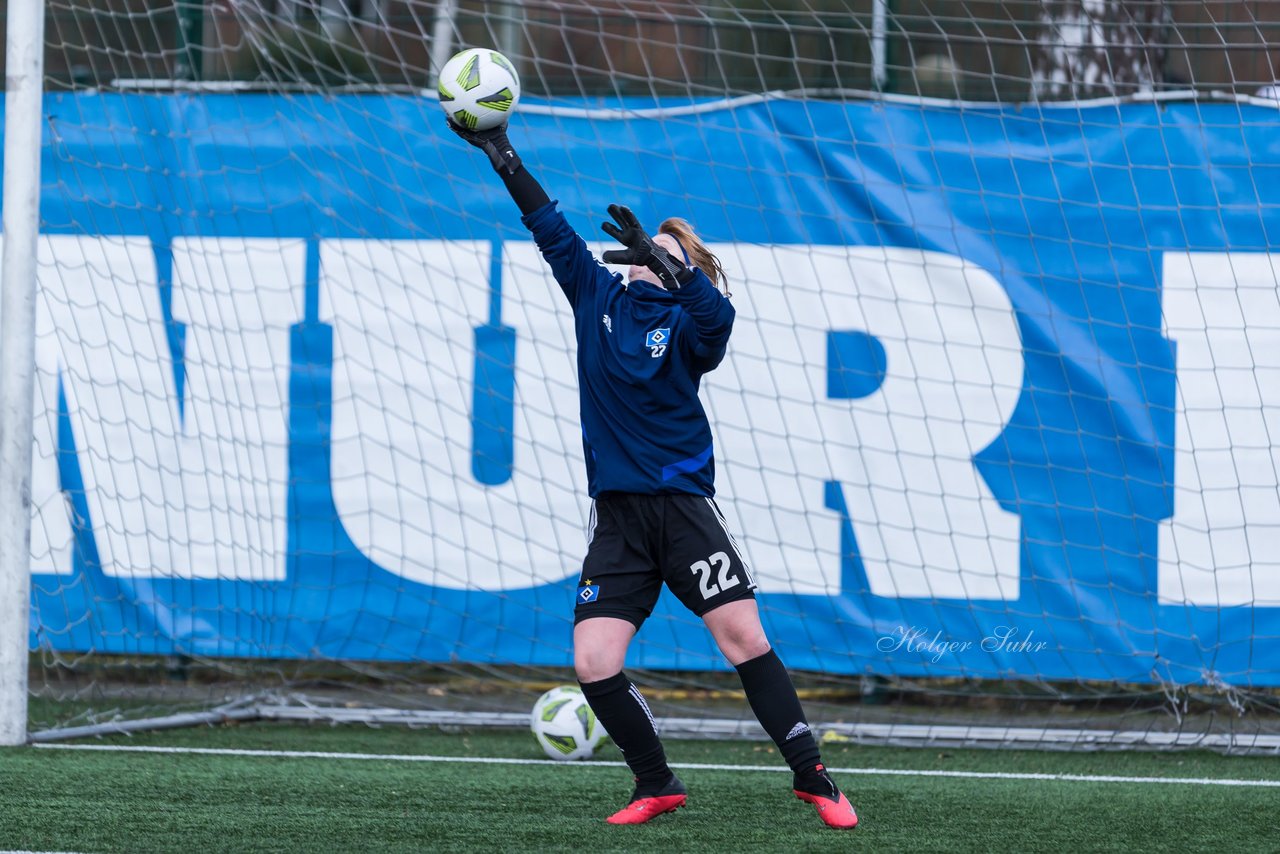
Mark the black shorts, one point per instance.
(636, 542)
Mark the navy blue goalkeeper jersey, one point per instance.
(642, 351)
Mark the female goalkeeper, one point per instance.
(643, 345)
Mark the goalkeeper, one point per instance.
(643, 345)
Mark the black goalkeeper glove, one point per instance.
(492, 142)
(642, 251)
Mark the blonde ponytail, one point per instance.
(699, 255)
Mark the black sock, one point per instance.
(773, 698)
(619, 705)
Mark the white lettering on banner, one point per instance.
(201, 495)
(926, 523)
(201, 491)
(404, 315)
(1222, 545)
(50, 518)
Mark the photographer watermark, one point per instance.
(918, 640)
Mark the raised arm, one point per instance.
(712, 314)
(572, 264)
(523, 187)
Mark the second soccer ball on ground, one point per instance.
(564, 724)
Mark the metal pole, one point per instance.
(442, 39)
(879, 44)
(23, 123)
(190, 60)
(510, 27)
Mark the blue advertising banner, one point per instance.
(999, 404)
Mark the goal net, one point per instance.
(996, 429)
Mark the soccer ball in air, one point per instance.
(564, 724)
(479, 88)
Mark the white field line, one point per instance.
(697, 766)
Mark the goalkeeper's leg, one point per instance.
(737, 630)
(600, 648)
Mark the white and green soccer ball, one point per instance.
(564, 724)
(479, 88)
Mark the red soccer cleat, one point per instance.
(644, 808)
(820, 790)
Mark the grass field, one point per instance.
(378, 798)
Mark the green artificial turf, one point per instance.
(72, 800)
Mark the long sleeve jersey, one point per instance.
(642, 351)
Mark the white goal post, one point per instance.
(24, 73)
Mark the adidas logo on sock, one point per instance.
(797, 730)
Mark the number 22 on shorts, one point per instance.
(716, 566)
